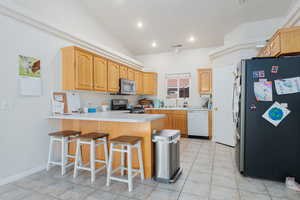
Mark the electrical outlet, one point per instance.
(4, 105)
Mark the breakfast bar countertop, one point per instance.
(110, 116)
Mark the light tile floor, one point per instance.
(209, 173)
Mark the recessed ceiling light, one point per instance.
(154, 44)
(192, 39)
(140, 24)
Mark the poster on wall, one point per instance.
(30, 83)
(276, 113)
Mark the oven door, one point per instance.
(127, 87)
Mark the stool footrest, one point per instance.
(119, 150)
(89, 169)
(121, 179)
(59, 163)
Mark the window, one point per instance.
(178, 85)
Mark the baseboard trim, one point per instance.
(21, 175)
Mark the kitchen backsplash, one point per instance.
(96, 99)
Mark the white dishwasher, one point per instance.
(198, 122)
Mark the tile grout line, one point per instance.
(189, 171)
(212, 170)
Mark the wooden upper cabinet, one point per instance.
(284, 42)
(100, 74)
(123, 72)
(130, 74)
(83, 70)
(205, 81)
(149, 83)
(113, 77)
(138, 75)
(290, 41)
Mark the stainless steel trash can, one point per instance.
(167, 155)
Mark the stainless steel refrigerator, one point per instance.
(264, 150)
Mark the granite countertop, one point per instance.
(110, 116)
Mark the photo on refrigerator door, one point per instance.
(263, 91)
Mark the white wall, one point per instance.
(185, 61)
(72, 17)
(253, 31)
(24, 124)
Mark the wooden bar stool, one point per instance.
(94, 140)
(65, 137)
(129, 142)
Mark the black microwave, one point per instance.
(127, 87)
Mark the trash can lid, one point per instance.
(166, 135)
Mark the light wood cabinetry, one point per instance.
(77, 69)
(205, 81)
(83, 70)
(100, 74)
(138, 77)
(113, 77)
(175, 119)
(130, 74)
(123, 72)
(149, 83)
(284, 42)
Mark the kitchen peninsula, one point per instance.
(116, 124)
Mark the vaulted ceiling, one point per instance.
(170, 22)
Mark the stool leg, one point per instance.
(105, 152)
(80, 156)
(129, 166)
(77, 155)
(122, 160)
(140, 157)
(63, 156)
(50, 153)
(92, 160)
(110, 160)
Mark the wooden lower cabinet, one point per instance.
(175, 119)
(115, 129)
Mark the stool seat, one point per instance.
(92, 136)
(130, 140)
(65, 133)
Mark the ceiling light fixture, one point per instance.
(140, 24)
(154, 44)
(192, 39)
(176, 48)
